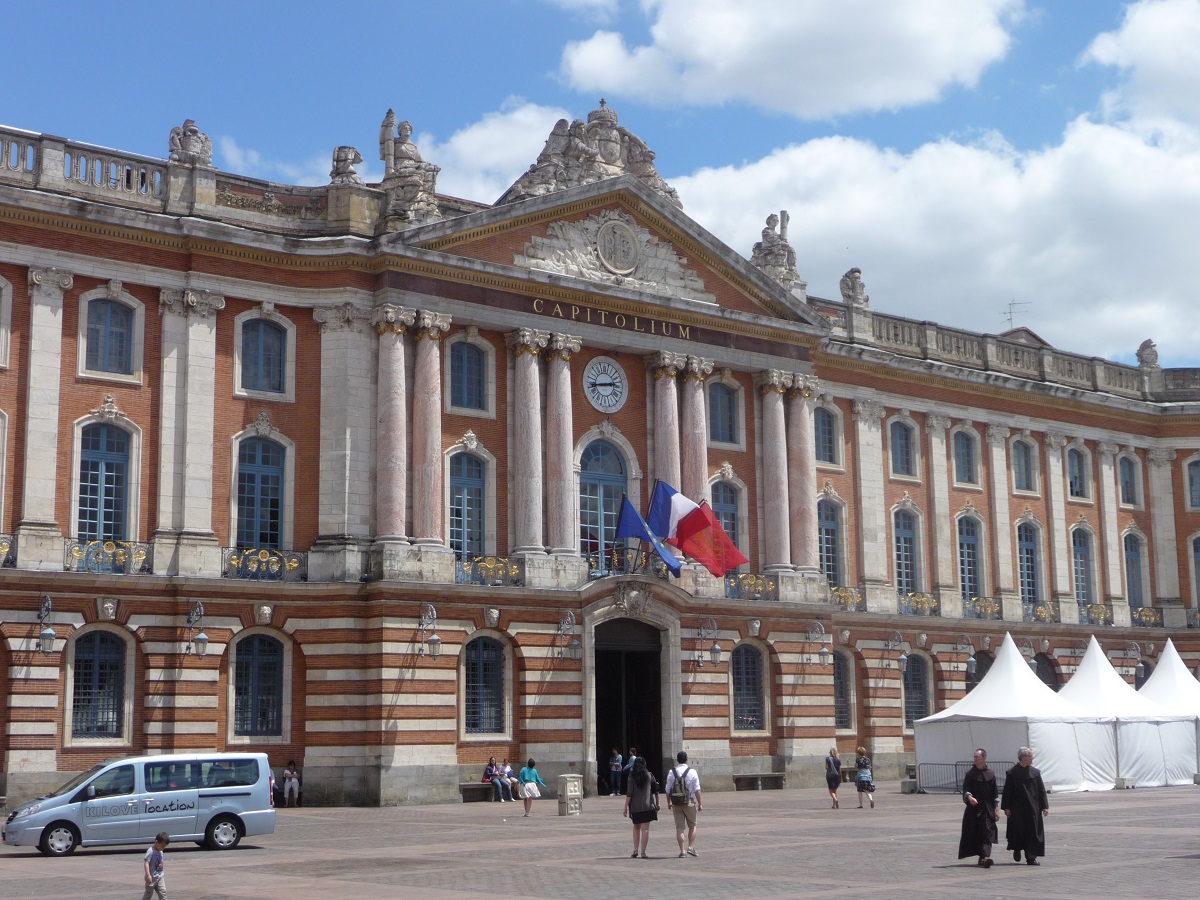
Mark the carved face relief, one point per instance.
(753, 627)
(491, 617)
(263, 614)
(106, 608)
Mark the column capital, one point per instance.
(1160, 457)
(664, 363)
(697, 367)
(341, 317)
(187, 302)
(869, 412)
(935, 422)
(772, 381)
(562, 346)
(431, 325)
(806, 387)
(50, 279)
(389, 318)
(997, 434)
(1108, 449)
(527, 340)
(1055, 440)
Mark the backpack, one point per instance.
(680, 796)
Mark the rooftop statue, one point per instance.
(583, 153)
(410, 182)
(854, 292)
(188, 145)
(1147, 354)
(344, 161)
(773, 254)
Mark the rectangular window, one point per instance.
(842, 693)
(825, 431)
(1128, 481)
(829, 543)
(1194, 484)
(1027, 560)
(964, 459)
(1023, 466)
(902, 449)
(722, 413)
(906, 553)
(747, 690)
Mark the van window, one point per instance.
(230, 773)
(115, 782)
(172, 776)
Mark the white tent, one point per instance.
(1011, 708)
(1142, 741)
(1172, 686)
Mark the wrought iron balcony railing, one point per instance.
(1095, 614)
(257, 564)
(1043, 611)
(848, 599)
(918, 605)
(108, 557)
(8, 551)
(982, 608)
(751, 586)
(1146, 617)
(619, 560)
(495, 571)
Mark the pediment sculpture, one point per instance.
(773, 254)
(409, 182)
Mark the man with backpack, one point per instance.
(683, 799)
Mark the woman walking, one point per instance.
(864, 781)
(529, 780)
(641, 805)
(833, 774)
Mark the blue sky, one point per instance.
(963, 153)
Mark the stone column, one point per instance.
(560, 445)
(391, 424)
(775, 535)
(874, 548)
(429, 502)
(1060, 551)
(1110, 535)
(802, 473)
(664, 366)
(526, 435)
(945, 582)
(184, 541)
(1165, 538)
(39, 537)
(694, 475)
(1004, 579)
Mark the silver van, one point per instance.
(214, 799)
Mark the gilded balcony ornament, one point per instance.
(751, 586)
(261, 564)
(848, 599)
(107, 557)
(1146, 617)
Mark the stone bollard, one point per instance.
(570, 795)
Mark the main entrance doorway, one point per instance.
(628, 694)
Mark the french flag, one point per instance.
(668, 508)
(692, 528)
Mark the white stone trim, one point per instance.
(6, 292)
(506, 646)
(270, 313)
(286, 700)
(1139, 478)
(743, 505)
(917, 459)
(767, 682)
(287, 519)
(127, 699)
(133, 502)
(469, 445)
(976, 452)
(726, 377)
(825, 402)
(470, 335)
(115, 292)
(1186, 486)
(1089, 478)
(1035, 464)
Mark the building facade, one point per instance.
(334, 473)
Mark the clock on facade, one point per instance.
(604, 384)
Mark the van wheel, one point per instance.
(223, 833)
(59, 839)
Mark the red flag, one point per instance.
(701, 537)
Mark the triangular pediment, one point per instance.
(615, 234)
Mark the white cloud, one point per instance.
(483, 159)
(232, 157)
(811, 60)
(597, 10)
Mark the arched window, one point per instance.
(109, 337)
(1023, 466)
(1077, 473)
(829, 541)
(906, 552)
(467, 377)
(725, 508)
(722, 413)
(601, 487)
(968, 558)
(1027, 562)
(264, 356)
(746, 671)
(1128, 477)
(1081, 561)
(901, 441)
(466, 505)
(1193, 471)
(258, 687)
(1133, 570)
(825, 434)
(1047, 671)
(964, 458)
(916, 689)
(259, 494)
(98, 700)
(843, 690)
(483, 687)
(103, 483)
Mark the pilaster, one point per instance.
(1114, 589)
(664, 366)
(944, 581)
(1060, 557)
(1004, 578)
(802, 473)
(1162, 521)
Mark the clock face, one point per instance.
(604, 384)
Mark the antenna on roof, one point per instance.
(1012, 310)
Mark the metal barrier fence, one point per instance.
(947, 778)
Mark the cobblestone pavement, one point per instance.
(769, 844)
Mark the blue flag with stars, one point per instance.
(630, 524)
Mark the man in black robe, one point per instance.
(981, 812)
(1024, 803)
